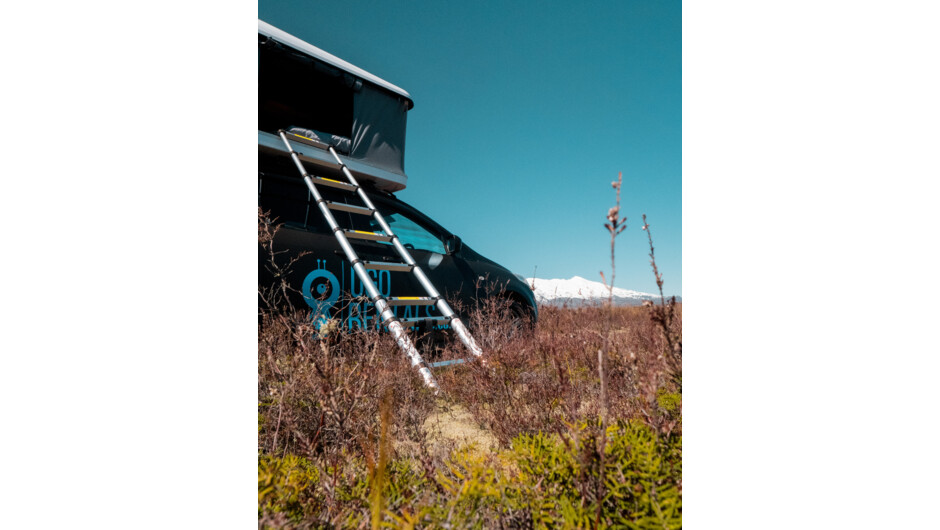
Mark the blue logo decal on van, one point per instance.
(321, 291)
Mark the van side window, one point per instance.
(286, 201)
(289, 202)
(410, 233)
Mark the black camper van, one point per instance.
(333, 114)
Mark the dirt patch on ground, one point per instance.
(452, 426)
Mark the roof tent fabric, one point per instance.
(378, 132)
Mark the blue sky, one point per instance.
(524, 114)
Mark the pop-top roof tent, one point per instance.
(320, 96)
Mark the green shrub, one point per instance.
(634, 485)
(544, 481)
(669, 401)
(283, 484)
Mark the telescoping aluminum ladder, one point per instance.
(382, 304)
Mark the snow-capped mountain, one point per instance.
(578, 291)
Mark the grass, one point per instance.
(577, 423)
(320, 425)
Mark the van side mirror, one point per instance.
(452, 244)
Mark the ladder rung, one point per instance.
(414, 321)
(341, 206)
(410, 300)
(388, 266)
(312, 142)
(371, 236)
(333, 183)
(318, 162)
(446, 363)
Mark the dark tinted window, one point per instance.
(286, 201)
(410, 233)
(290, 202)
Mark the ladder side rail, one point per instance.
(395, 327)
(442, 305)
(456, 324)
(388, 316)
